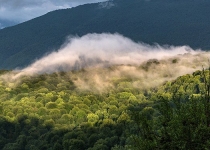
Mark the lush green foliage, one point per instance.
(172, 22)
(179, 118)
(50, 112)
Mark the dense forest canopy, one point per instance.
(53, 111)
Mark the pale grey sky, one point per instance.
(22, 10)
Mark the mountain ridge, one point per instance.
(172, 22)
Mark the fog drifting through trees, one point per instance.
(108, 56)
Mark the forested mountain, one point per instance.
(52, 111)
(173, 22)
(94, 103)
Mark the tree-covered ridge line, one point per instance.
(48, 111)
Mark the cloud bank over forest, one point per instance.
(104, 50)
(107, 56)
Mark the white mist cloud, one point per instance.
(147, 65)
(102, 49)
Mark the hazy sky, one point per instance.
(22, 10)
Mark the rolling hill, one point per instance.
(172, 22)
(54, 111)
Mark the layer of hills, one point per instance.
(56, 111)
(172, 22)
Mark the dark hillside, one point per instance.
(156, 21)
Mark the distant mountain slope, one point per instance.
(173, 22)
